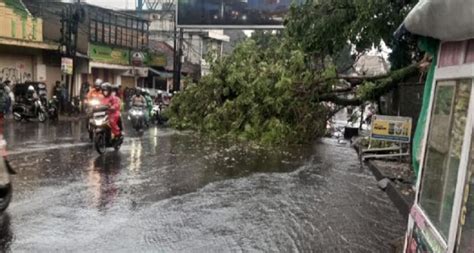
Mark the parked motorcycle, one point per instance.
(52, 109)
(137, 116)
(6, 189)
(102, 132)
(22, 111)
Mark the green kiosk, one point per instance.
(442, 217)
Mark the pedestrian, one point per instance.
(4, 98)
(59, 95)
(84, 91)
(10, 98)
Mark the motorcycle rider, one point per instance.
(96, 91)
(113, 103)
(138, 100)
(149, 103)
(115, 93)
(31, 98)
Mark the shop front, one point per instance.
(442, 219)
(113, 65)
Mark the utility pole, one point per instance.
(180, 55)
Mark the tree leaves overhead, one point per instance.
(324, 27)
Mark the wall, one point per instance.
(16, 68)
(18, 24)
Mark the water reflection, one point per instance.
(136, 155)
(102, 177)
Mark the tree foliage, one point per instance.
(279, 88)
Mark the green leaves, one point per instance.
(249, 95)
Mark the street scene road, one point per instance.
(175, 191)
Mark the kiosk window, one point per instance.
(443, 151)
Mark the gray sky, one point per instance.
(114, 4)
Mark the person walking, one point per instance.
(59, 95)
(4, 98)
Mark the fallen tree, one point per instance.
(282, 88)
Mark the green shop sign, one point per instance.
(158, 60)
(107, 54)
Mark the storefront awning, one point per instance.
(127, 70)
(101, 65)
(163, 74)
(29, 44)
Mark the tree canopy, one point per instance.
(280, 87)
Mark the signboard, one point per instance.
(138, 58)
(155, 59)
(391, 128)
(245, 14)
(66, 65)
(110, 55)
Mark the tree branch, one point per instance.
(383, 86)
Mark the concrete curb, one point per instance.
(401, 203)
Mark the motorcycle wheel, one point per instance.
(17, 117)
(41, 117)
(5, 200)
(100, 144)
(118, 144)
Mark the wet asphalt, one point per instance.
(168, 191)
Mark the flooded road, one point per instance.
(168, 191)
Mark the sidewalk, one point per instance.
(397, 179)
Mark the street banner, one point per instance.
(391, 128)
(244, 14)
(66, 65)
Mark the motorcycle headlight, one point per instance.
(99, 122)
(94, 102)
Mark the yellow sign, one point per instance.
(391, 128)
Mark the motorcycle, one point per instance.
(102, 134)
(6, 190)
(53, 109)
(22, 111)
(137, 116)
(91, 105)
(157, 114)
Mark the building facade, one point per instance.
(107, 44)
(24, 54)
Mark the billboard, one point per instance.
(243, 14)
(391, 128)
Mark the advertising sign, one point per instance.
(391, 128)
(156, 59)
(66, 65)
(250, 14)
(110, 55)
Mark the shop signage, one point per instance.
(138, 58)
(136, 72)
(422, 238)
(107, 54)
(391, 128)
(158, 60)
(66, 65)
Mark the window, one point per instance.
(443, 151)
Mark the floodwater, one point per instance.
(168, 191)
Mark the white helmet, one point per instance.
(98, 83)
(31, 88)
